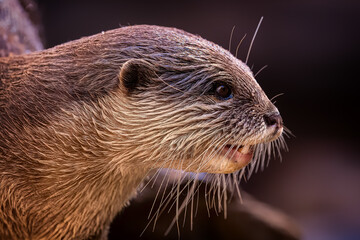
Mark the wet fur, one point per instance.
(84, 122)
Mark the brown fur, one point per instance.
(78, 135)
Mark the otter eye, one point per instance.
(223, 91)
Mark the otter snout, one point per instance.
(273, 119)
(274, 123)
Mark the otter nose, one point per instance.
(273, 119)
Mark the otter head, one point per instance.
(192, 106)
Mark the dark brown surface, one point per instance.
(250, 220)
(19, 27)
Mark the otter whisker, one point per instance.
(191, 194)
(252, 40)
(238, 46)
(218, 192)
(260, 70)
(192, 211)
(266, 154)
(287, 132)
(278, 146)
(180, 177)
(269, 153)
(258, 157)
(197, 203)
(163, 204)
(283, 142)
(205, 153)
(157, 193)
(174, 193)
(163, 198)
(176, 218)
(231, 178)
(237, 180)
(207, 199)
(231, 36)
(213, 190)
(181, 208)
(151, 179)
(277, 95)
(224, 195)
(155, 216)
(186, 205)
(259, 154)
(233, 183)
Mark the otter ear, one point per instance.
(134, 74)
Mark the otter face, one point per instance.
(249, 120)
(201, 108)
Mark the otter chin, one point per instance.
(84, 123)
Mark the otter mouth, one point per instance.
(240, 155)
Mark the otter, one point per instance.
(83, 123)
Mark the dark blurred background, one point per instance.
(311, 48)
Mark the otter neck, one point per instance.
(74, 174)
(78, 171)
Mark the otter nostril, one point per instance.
(273, 119)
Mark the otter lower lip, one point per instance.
(240, 155)
(244, 149)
